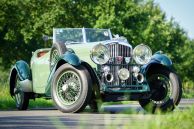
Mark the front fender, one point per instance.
(71, 58)
(162, 59)
(158, 60)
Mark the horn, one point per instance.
(140, 78)
(109, 77)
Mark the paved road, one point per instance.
(115, 116)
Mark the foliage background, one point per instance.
(23, 22)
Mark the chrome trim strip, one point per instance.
(84, 34)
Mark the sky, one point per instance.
(182, 11)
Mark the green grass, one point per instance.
(176, 120)
(188, 89)
(8, 103)
(179, 119)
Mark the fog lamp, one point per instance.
(123, 74)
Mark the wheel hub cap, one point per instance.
(65, 87)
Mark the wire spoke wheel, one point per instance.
(161, 88)
(54, 58)
(21, 98)
(69, 87)
(165, 89)
(17, 91)
(56, 51)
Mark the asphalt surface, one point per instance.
(114, 116)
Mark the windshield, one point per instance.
(80, 35)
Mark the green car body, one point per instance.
(37, 78)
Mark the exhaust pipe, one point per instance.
(109, 77)
(140, 78)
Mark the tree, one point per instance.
(144, 22)
(22, 24)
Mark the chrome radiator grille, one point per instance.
(118, 50)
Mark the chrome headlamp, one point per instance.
(142, 54)
(100, 54)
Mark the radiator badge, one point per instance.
(119, 59)
(127, 59)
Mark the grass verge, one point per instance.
(176, 120)
(8, 103)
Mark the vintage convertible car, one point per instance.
(88, 66)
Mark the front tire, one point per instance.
(71, 88)
(166, 91)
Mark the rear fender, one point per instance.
(22, 69)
